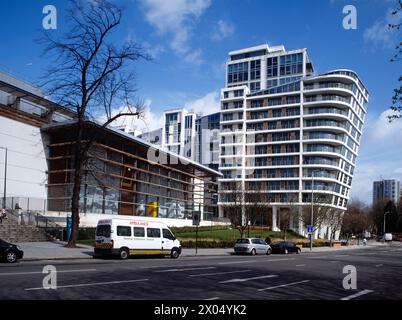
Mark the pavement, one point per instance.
(308, 276)
(57, 251)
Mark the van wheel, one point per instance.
(174, 254)
(123, 254)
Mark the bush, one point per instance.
(208, 244)
(86, 233)
(178, 230)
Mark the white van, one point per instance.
(136, 236)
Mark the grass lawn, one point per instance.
(88, 242)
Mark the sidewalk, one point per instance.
(56, 251)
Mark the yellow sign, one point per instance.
(152, 209)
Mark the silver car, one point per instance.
(252, 246)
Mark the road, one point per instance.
(314, 276)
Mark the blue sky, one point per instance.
(189, 41)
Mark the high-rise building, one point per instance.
(178, 132)
(386, 190)
(287, 134)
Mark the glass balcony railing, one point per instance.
(326, 98)
(326, 110)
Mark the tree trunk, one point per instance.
(75, 200)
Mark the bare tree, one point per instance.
(334, 220)
(397, 97)
(91, 76)
(236, 205)
(291, 213)
(356, 219)
(320, 210)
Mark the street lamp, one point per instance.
(385, 214)
(5, 177)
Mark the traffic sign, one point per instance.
(310, 228)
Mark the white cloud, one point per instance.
(224, 30)
(208, 104)
(380, 35)
(380, 155)
(194, 57)
(175, 18)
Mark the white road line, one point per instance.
(173, 266)
(40, 272)
(183, 269)
(284, 285)
(248, 279)
(333, 261)
(300, 265)
(357, 294)
(341, 255)
(235, 262)
(379, 265)
(214, 298)
(88, 284)
(217, 273)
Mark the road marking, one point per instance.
(235, 262)
(341, 255)
(88, 284)
(214, 298)
(217, 273)
(172, 266)
(40, 272)
(188, 269)
(333, 261)
(379, 265)
(268, 260)
(357, 294)
(248, 279)
(284, 285)
(300, 265)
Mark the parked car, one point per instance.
(252, 246)
(10, 252)
(285, 247)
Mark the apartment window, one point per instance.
(238, 72)
(226, 95)
(255, 86)
(255, 70)
(291, 64)
(272, 67)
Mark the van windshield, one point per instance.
(103, 230)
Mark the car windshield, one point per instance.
(103, 231)
(243, 241)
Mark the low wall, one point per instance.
(90, 220)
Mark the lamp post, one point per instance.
(5, 177)
(385, 214)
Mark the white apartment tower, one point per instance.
(288, 134)
(179, 132)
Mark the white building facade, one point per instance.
(288, 134)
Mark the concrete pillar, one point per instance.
(275, 219)
(300, 229)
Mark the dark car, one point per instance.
(10, 252)
(285, 247)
